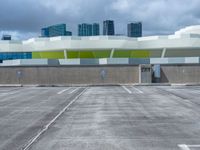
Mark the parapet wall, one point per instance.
(180, 73)
(67, 75)
(95, 75)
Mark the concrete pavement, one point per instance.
(102, 118)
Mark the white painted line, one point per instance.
(63, 91)
(26, 147)
(137, 89)
(126, 89)
(5, 90)
(9, 93)
(74, 90)
(183, 147)
(13, 93)
(194, 146)
(4, 93)
(178, 84)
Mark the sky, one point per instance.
(24, 19)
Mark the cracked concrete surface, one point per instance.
(102, 118)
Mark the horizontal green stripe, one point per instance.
(92, 54)
(48, 55)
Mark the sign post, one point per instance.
(19, 76)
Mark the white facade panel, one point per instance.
(188, 38)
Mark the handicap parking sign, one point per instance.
(19, 74)
(103, 74)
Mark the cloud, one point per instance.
(27, 17)
(60, 6)
(121, 6)
(159, 16)
(18, 35)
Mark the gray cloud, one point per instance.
(25, 18)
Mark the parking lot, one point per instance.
(100, 118)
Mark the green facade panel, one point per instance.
(73, 54)
(88, 54)
(102, 54)
(131, 54)
(48, 55)
(92, 54)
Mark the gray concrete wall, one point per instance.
(69, 75)
(180, 73)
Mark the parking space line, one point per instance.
(126, 89)
(4, 90)
(183, 147)
(63, 91)
(187, 147)
(9, 93)
(29, 144)
(5, 93)
(74, 90)
(194, 146)
(137, 89)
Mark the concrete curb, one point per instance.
(152, 84)
(11, 85)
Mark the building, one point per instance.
(134, 29)
(108, 27)
(85, 29)
(68, 33)
(6, 37)
(88, 29)
(119, 34)
(184, 43)
(95, 29)
(55, 30)
(45, 32)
